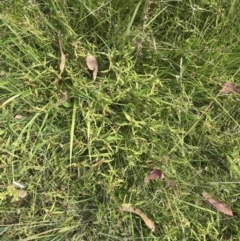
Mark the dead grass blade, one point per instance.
(221, 207)
(92, 64)
(63, 57)
(144, 217)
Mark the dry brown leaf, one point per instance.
(154, 174)
(18, 116)
(229, 88)
(18, 185)
(222, 207)
(63, 57)
(22, 193)
(92, 64)
(144, 217)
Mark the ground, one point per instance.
(75, 150)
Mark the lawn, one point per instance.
(75, 152)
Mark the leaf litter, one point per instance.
(92, 64)
(21, 193)
(63, 57)
(18, 116)
(221, 207)
(154, 174)
(229, 88)
(18, 185)
(144, 217)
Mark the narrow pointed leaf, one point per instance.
(221, 207)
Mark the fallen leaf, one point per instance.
(144, 217)
(18, 185)
(18, 117)
(63, 57)
(222, 207)
(154, 174)
(92, 64)
(22, 193)
(229, 88)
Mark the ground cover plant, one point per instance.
(140, 152)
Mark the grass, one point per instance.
(155, 104)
